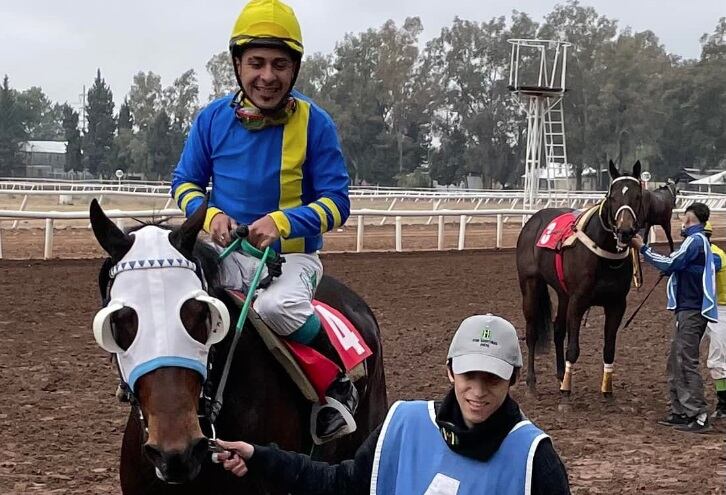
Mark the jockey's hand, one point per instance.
(637, 242)
(263, 232)
(235, 456)
(220, 229)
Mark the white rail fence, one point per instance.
(463, 217)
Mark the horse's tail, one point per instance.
(543, 319)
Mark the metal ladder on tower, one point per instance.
(555, 142)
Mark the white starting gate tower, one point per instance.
(537, 81)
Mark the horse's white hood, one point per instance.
(155, 279)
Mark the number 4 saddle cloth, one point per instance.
(311, 371)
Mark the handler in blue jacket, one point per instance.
(474, 441)
(692, 296)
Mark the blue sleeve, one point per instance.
(330, 180)
(677, 261)
(717, 262)
(191, 175)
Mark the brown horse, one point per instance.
(165, 448)
(659, 206)
(596, 274)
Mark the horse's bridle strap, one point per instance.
(597, 250)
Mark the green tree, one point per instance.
(125, 119)
(42, 118)
(145, 99)
(98, 140)
(222, 73)
(181, 100)
(72, 136)
(12, 129)
(159, 144)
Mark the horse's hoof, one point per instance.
(565, 393)
(607, 395)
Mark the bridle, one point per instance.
(609, 224)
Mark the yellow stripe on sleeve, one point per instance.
(323, 216)
(188, 197)
(282, 223)
(184, 187)
(337, 222)
(211, 213)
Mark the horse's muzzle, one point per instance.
(178, 466)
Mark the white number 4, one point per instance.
(347, 339)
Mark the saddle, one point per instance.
(312, 372)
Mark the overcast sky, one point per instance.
(58, 45)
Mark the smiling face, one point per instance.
(266, 75)
(479, 394)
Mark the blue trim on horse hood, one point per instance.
(165, 362)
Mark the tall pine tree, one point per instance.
(73, 138)
(159, 142)
(12, 129)
(98, 140)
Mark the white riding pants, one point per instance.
(287, 303)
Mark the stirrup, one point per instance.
(350, 424)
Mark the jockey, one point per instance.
(717, 333)
(275, 164)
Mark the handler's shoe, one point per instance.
(699, 424)
(675, 420)
(719, 414)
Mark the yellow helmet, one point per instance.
(267, 23)
(708, 229)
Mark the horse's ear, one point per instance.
(636, 170)
(614, 174)
(108, 235)
(185, 236)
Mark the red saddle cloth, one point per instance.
(344, 337)
(558, 231)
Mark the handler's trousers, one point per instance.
(685, 383)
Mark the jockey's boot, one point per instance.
(720, 412)
(331, 422)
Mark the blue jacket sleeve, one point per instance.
(677, 261)
(330, 179)
(717, 262)
(191, 175)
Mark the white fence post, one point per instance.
(398, 234)
(499, 231)
(462, 231)
(652, 236)
(359, 234)
(440, 237)
(48, 252)
(1, 243)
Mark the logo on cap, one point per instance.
(485, 339)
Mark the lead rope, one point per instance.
(216, 405)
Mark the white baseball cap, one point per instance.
(486, 343)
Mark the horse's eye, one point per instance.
(195, 317)
(124, 325)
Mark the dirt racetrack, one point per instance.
(61, 427)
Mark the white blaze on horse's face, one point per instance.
(155, 280)
(622, 223)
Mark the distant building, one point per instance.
(42, 159)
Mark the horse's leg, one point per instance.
(646, 234)
(560, 332)
(669, 236)
(530, 306)
(613, 316)
(575, 309)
